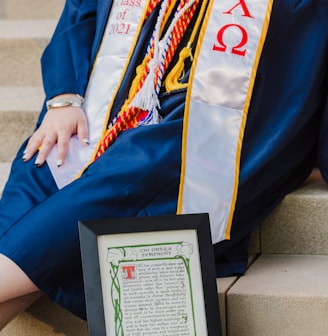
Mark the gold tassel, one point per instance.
(172, 79)
(176, 74)
(135, 86)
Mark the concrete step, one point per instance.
(19, 108)
(299, 224)
(21, 45)
(280, 296)
(30, 9)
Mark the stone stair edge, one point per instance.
(19, 29)
(21, 99)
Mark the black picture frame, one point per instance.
(153, 242)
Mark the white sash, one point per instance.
(218, 98)
(123, 28)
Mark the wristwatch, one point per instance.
(64, 102)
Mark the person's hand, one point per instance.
(58, 126)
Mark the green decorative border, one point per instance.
(119, 254)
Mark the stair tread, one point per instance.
(36, 9)
(280, 295)
(45, 318)
(285, 275)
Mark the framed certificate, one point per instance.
(150, 276)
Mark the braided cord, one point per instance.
(130, 116)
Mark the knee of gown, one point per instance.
(26, 187)
(137, 176)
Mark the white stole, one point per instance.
(218, 98)
(120, 36)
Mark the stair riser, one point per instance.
(297, 228)
(277, 316)
(19, 109)
(15, 127)
(21, 46)
(20, 61)
(299, 224)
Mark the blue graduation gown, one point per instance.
(285, 136)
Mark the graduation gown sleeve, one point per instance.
(66, 60)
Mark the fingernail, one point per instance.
(24, 154)
(37, 163)
(59, 163)
(86, 141)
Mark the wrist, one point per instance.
(65, 100)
